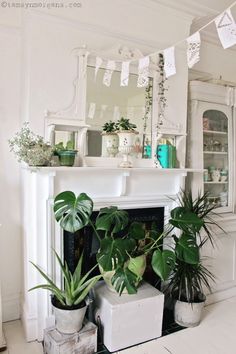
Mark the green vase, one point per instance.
(67, 157)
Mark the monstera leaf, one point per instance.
(185, 220)
(187, 249)
(163, 263)
(112, 219)
(124, 278)
(137, 230)
(114, 252)
(72, 212)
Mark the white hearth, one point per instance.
(127, 188)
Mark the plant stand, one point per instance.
(129, 319)
(84, 341)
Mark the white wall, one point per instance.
(10, 232)
(217, 61)
(44, 81)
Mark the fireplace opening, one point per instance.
(85, 241)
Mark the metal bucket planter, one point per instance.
(188, 314)
(69, 320)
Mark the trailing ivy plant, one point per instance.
(161, 92)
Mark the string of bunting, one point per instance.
(226, 29)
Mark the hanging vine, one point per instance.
(162, 101)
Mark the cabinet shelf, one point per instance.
(214, 132)
(212, 182)
(215, 152)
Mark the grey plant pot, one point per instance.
(69, 321)
(188, 314)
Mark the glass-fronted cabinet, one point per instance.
(210, 142)
(216, 176)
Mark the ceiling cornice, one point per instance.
(188, 7)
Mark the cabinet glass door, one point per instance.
(216, 157)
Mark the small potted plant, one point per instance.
(121, 258)
(66, 153)
(190, 275)
(109, 139)
(126, 133)
(69, 303)
(30, 148)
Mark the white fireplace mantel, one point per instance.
(125, 188)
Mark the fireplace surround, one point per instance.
(136, 190)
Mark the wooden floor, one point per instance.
(215, 335)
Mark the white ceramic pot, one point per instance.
(188, 314)
(69, 321)
(110, 142)
(126, 145)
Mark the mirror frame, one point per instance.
(75, 114)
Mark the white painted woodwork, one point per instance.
(126, 188)
(2, 338)
(129, 319)
(221, 259)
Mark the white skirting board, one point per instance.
(2, 338)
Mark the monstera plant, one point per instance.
(123, 247)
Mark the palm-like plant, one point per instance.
(191, 217)
(76, 286)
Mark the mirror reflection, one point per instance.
(110, 104)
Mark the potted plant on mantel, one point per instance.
(69, 303)
(30, 148)
(66, 153)
(126, 133)
(121, 259)
(110, 139)
(190, 276)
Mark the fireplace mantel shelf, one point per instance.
(135, 169)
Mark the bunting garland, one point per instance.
(193, 50)
(169, 61)
(111, 65)
(226, 29)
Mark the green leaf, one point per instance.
(114, 252)
(72, 213)
(124, 278)
(112, 219)
(85, 292)
(137, 230)
(163, 263)
(187, 249)
(137, 265)
(185, 220)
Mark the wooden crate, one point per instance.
(83, 342)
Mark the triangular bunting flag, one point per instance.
(226, 29)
